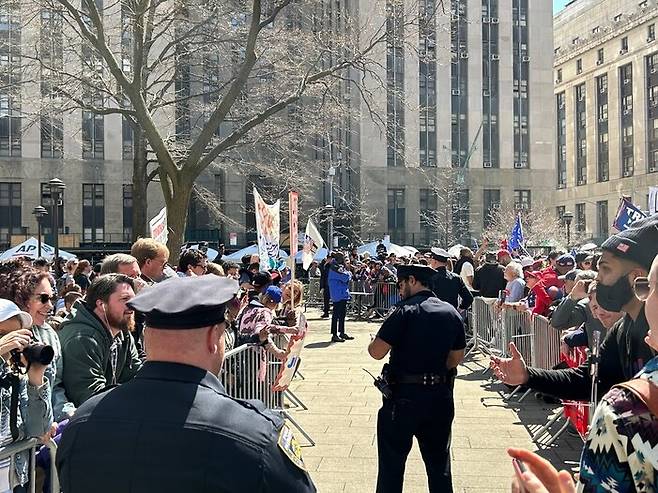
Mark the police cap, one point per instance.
(422, 273)
(439, 254)
(185, 302)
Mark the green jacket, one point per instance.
(87, 368)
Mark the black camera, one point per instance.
(34, 352)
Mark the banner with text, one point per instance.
(158, 227)
(627, 214)
(289, 366)
(293, 205)
(268, 231)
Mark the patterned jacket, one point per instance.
(621, 452)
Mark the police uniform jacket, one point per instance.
(422, 330)
(172, 429)
(449, 287)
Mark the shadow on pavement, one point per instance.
(318, 345)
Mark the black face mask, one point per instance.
(613, 298)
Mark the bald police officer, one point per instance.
(173, 428)
(425, 337)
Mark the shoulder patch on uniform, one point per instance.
(290, 446)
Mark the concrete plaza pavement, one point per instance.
(342, 419)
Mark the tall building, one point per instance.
(606, 103)
(467, 128)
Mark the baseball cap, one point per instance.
(274, 293)
(637, 243)
(566, 261)
(502, 253)
(8, 309)
(527, 261)
(569, 276)
(535, 274)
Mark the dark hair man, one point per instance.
(626, 256)
(97, 349)
(446, 285)
(421, 373)
(177, 399)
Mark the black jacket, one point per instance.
(450, 288)
(623, 353)
(489, 280)
(171, 429)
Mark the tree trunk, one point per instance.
(177, 197)
(140, 186)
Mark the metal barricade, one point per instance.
(484, 324)
(386, 295)
(31, 445)
(361, 299)
(313, 296)
(546, 344)
(518, 329)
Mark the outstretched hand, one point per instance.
(512, 371)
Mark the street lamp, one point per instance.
(329, 209)
(57, 188)
(39, 212)
(567, 217)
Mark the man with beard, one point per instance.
(626, 256)
(97, 349)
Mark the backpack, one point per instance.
(644, 390)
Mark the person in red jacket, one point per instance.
(538, 293)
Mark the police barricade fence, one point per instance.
(386, 295)
(545, 345)
(361, 298)
(31, 445)
(313, 296)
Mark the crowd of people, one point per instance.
(84, 313)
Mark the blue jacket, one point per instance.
(339, 284)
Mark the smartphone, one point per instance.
(519, 469)
(501, 296)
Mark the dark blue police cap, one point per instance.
(419, 271)
(185, 302)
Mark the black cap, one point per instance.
(185, 302)
(639, 243)
(262, 278)
(422, 273)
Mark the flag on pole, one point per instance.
(627, 214)
(312, 243)
(516, 239)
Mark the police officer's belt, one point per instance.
(422, 379)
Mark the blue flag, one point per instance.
(516, 239)
(627, 214)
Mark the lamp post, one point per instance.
(57, 188)
(330, 206)
(567, 217)
(39, 212)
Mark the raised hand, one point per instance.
(512, 371)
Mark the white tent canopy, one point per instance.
(30, 248)
(250, 250)
(371, 248)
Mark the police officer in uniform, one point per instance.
(446, 285)
(173, 428)
(425, 337)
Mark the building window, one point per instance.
(521, 76)
(10, 79)
(626, 127)
(490, 86)
(581, 225)
(651, 32)
(427, 82)
(395, 144)
(559, 212)
(581, 135)
(558, 76)
(491, 203)
(52, 55)
(127, 213)
(396, 214)
(93, 138)
(599, 56)
(128, 140)
(522, 200)
(459, 83)
(652, 112)
(602, 219)
(47, 202)
(602, 154)
(561, 132)
(624, 45)
(93, 212)
(10, 210)
(428, 208)
(579, 66)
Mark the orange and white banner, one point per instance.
(289, 366)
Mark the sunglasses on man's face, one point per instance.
(642, 288)
(45, 298)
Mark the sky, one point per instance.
(558, 5)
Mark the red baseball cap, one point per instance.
(535, 274)
(502, 253)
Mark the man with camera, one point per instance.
(97, 348)
(426, 340)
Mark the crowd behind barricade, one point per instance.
(67, 333)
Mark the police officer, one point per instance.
(425, 337)
(173, 428)
(446, 285)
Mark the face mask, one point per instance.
(613, 298)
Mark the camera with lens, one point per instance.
(35, 352)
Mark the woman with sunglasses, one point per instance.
(31, 290)
(621, 452)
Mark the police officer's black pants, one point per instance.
(428, 416)
(325, 301)
(338, 317)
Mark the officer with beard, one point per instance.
(626, 256)
(173, 428)
(425, 337)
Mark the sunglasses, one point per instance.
(642, 288)
(45, 298)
